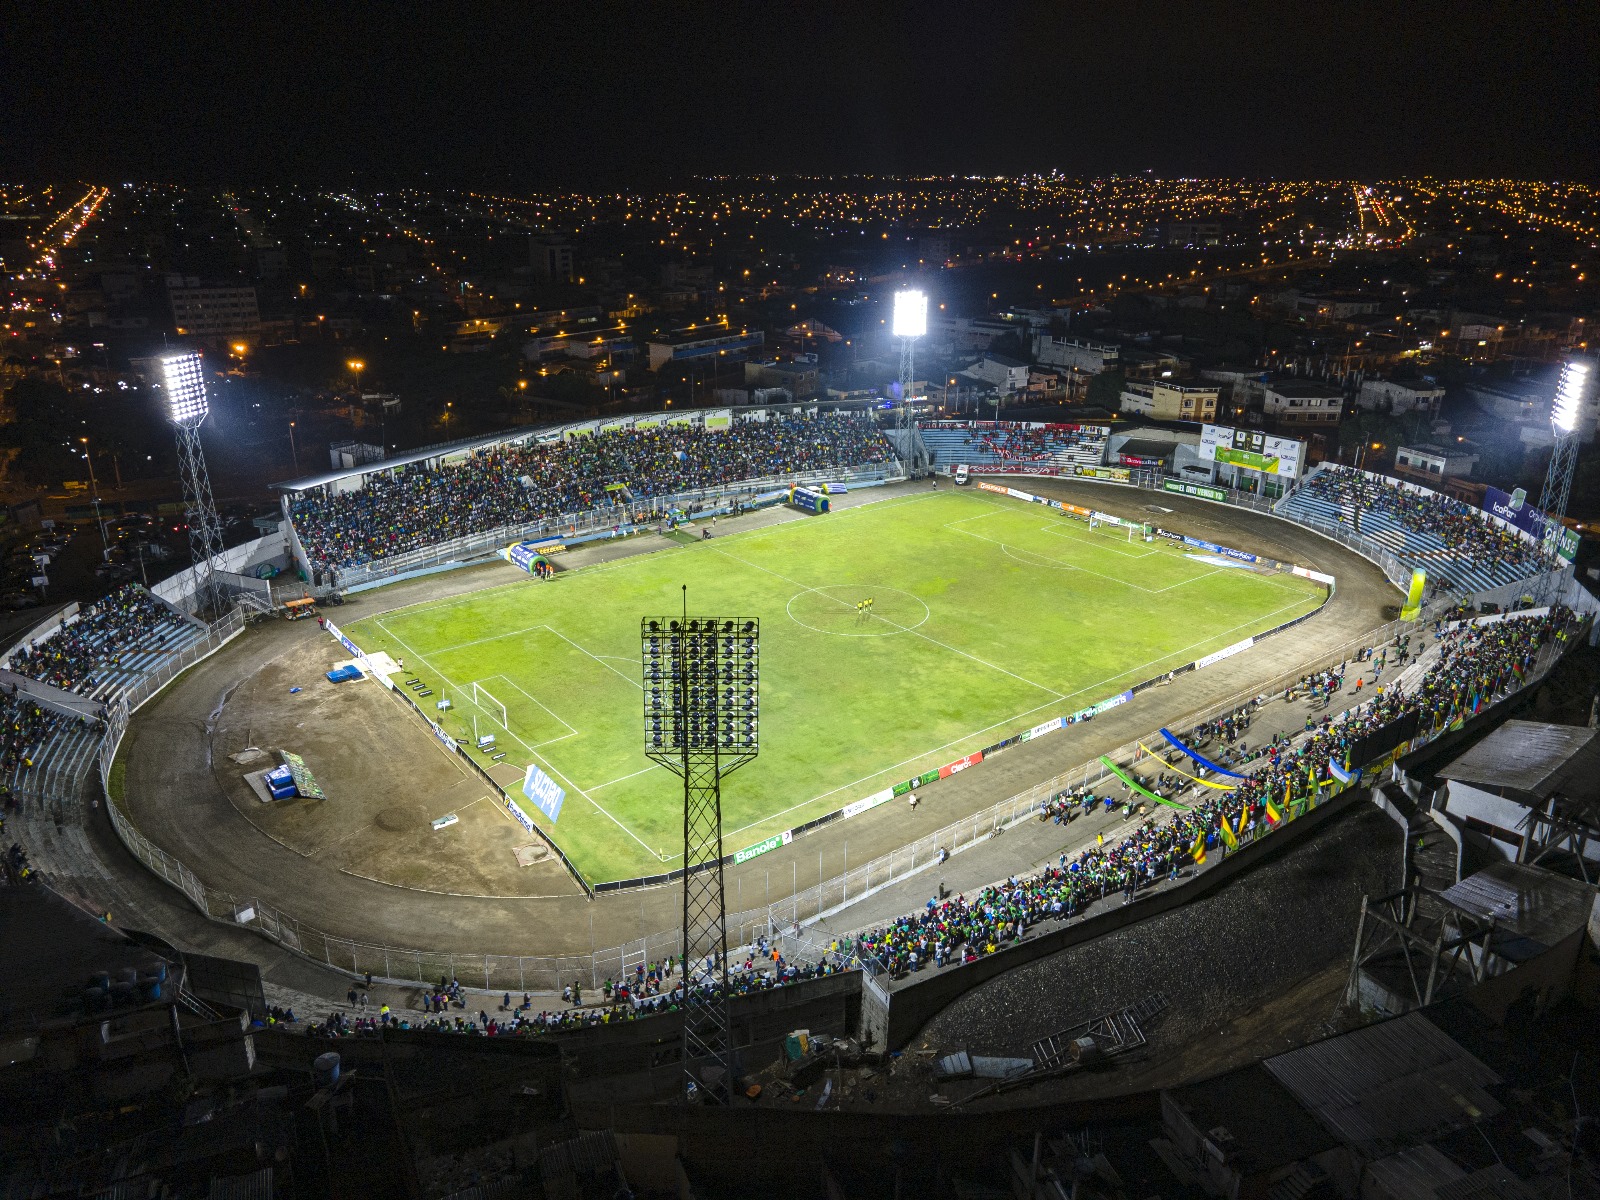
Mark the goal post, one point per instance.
(485, 700)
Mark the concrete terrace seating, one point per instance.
(109, 647)
(1325, 498)
(1011, 445)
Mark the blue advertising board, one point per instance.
(1526, 517)
(546, 795)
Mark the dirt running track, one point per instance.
(186, 795)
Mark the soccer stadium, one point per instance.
(1009, 693)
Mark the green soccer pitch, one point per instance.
(990, 615)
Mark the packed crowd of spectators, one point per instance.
(1475, 663)
(76, 656)
(1464, 529)
(418, 505)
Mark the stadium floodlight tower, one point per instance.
(1566, 411)
(701, 721)
(183, 376)
(910, 323)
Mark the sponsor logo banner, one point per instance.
(1019, 468)
(1318, 576)
(1225, 652)
(545, 793)
(762, 847)
(877, 798)
(1115, 474)
(1203, 490)
(989, 487)
(1225, 551)
(1516, 512)
(1016, 495)
(522, 818)
(1041, 730)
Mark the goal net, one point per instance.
(486, 701)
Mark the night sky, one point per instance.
(537, 94)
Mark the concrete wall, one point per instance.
(914, 1005)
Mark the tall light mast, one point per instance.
(910, 323)
(185, 382)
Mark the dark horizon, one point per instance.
(604, 95)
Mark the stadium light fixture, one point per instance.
(185, 382)
(1570, 395)
(910, 313)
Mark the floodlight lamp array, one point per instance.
(183, 377)
(910, 314)
(1570, 394)
(701, 687)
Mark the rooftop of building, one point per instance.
(1304, 388)
(1532, 760)
(1533, 909)
(1267, 1127)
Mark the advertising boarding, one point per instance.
(1252, 450)
(546, 795)
(1515, 511)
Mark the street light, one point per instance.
(292, 451)
(94, 493)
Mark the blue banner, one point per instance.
(1227, 551)
(1195, 755)
(543, 791)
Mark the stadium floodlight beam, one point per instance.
(702, 715)
(910, 322)
(184, 380)
(1566, 411)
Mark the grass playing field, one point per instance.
(990, 615)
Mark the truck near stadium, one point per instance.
(962, 475)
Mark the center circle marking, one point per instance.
(846, 622)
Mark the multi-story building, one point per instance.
(205, 310)
(1428, 464)
(1078, 353)
(799, 379)
(1302, 402)
(1400, 396)
(714, 341)
(1527, 403)
(550, 258)
(1161, 400)
(999, 372)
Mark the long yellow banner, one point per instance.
(1166, 766)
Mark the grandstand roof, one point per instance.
(437, 450)
(1532, 760)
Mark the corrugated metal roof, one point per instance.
(1527, 901)
(1388, 1085)
(1412, 1174)
(1532, 757)
(1490, 1183)
(255, 1186)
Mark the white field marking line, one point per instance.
(1015, 552)
(554, 770)
(1003, 721)
(635, 775)
(594, 656)
(903, 628)
(634, 559)
(1065, 529)
(570, 730)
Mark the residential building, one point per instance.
(1302, 402)
(615, 343)
(1527, 402)
(1428, 464)
(1400, 396)
(1193, 233)
(714, 341)
(999, 372)
(203, 310)
(1162, 400)
(1077, 353)
(799, 379)
(550, 258)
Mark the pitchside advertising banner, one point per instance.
(1204, 491)
(544, 792)
(1252, 450)
(1514, 510)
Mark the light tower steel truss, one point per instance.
(1567, 410)
(701, 721)
(187, 406)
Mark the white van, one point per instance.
(962, 475)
